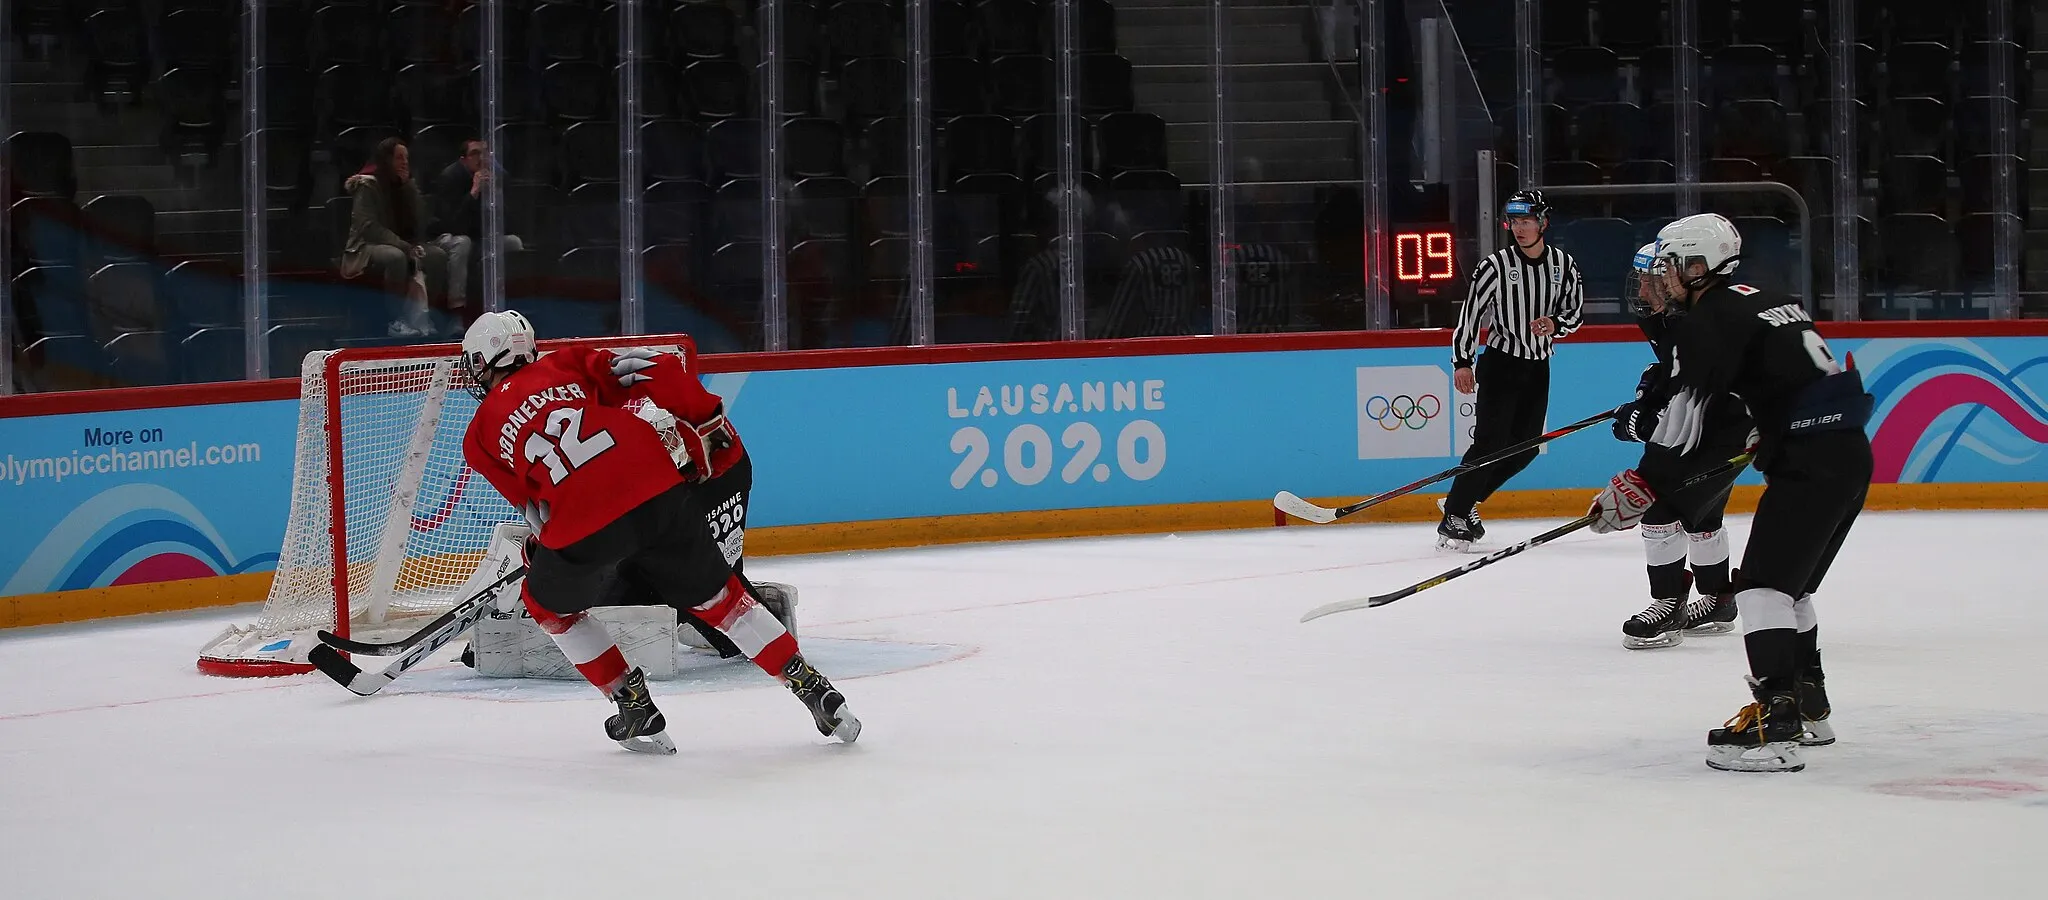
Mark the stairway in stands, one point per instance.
(1293, 130)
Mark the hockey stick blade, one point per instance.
(448, 627)
(331, 663)
(1287, 502)
(484, 598)
(1293, 505)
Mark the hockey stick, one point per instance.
(1734, 464)
(415, 649)
(1287, 502)
(485, 598)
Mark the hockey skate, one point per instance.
(1813, 714)
(1707, 614)
(1761, 737)
(1458, 533)
(828, 707)
(1659, 625)
(638, 727)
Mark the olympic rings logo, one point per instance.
(1401, 409)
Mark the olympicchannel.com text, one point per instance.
(78, 463)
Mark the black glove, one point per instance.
(1634, 421)
(1652, 382)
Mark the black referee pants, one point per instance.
(1514, 394)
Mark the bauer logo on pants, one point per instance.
(1406, 412)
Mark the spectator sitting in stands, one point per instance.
(384, 234)
(458, 219)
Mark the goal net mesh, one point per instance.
(391, 532)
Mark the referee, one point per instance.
(1525, 297)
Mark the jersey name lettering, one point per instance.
(526, 410)
(1784, 315)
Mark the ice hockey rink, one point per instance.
(1126, 717)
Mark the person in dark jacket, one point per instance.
(457, 197)
(387, 235)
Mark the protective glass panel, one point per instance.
(848, 173)
(122, 151)
(1443, 176)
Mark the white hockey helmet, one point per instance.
(1707, 238)
(497, 342)
(1649, 273)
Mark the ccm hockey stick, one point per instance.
(1292, 505)
(414, 649)
(1734, 464)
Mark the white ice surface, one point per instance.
(1122, 718)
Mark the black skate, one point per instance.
(1813, 714)
(827, 705)
(1710, 614)
(638, 727)
(1762, 737)
(1455, 533)
(1659, 625)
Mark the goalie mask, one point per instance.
(496, 345)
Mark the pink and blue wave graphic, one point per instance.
(130, 534)
(1951, 412)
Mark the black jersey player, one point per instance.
(1810, 413)
(1684, 524)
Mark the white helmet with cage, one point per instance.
(497, 343)
(1707, 238)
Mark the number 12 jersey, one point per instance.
(554, 439)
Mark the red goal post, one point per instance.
(365, 551)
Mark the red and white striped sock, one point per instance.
(585, 642)
(750, 626)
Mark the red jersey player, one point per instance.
(606, 453)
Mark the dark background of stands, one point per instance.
(126, 182)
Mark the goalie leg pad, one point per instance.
(584, 641)
(750, 626)
(781, 601)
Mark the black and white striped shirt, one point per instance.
(1509, 291)
(1155, 296)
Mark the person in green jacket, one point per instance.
(387, 236)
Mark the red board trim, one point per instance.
(288, 388)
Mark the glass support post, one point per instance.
(1847, 277)
(491, 85)
(1222, 197)
(922, 311)
(255, 202)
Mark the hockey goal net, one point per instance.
(387, 522)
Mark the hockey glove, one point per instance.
(700, 452)
(1652, 381)
(1634, 421)
(1621, 504)
(630, 365)
(713, 446)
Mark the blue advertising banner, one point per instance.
(100, 499)
(898, 441)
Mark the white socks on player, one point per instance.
(1664, 544)
(1765, 608)
(1709, 548)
